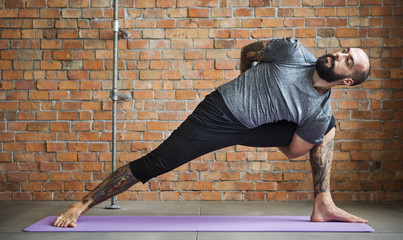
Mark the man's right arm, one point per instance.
(251, 53)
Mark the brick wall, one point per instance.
(55, 111)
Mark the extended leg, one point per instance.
(321, 161)
(204, 131)
(119, 181)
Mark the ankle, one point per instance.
(82, 205)
(323, 200)
(324, 196)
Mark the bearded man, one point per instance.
(282, 101)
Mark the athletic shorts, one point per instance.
(210, 127)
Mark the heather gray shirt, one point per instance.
(280, 89)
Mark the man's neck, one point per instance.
(320, 85)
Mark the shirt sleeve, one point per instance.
(313, 129)
(284, 49)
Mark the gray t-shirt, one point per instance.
(280, 89)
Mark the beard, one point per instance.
(327, 73)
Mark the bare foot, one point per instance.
(69, 217)
(325, 211)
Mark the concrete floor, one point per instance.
(385, 218)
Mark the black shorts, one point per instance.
(210, 127)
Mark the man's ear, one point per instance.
(348, 81)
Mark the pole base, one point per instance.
(113, 207)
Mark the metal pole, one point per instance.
(114, 94)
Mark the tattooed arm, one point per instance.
(253, 52)
(321, 162)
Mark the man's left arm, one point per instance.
(251, 53)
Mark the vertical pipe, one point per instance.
(114, 94)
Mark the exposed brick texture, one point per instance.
(56, 77)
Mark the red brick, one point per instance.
(57, 3)
(102, 147)
(64, 157)
(305, 33)
(49, 166)
(38, 176)
(11, 33)
(211, 196)
(21, 196)
(56, 147)
(335, 3)
(73, 186)
(198, 13)
(8, 13)
(277, 196)
(233, 196)
(31, 186)
(381, 11)
(6, 157)
(290, 3)
(346, 32)
(52, 186)
(17, 176)
(202, 186)
(14, 75)
(304, 12)
(15, 3)
(14, 147)
(298, 196)
(145, 3)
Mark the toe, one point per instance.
(73, 224)
(363, 220)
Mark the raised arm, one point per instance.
(251, 53)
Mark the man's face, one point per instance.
(325, 67)
(342, 64)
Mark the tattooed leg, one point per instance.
(321, 161)
(324, 208)
(119, 181)
(116, 183)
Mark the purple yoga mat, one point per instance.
(199, 224)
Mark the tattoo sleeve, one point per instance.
(321, 162)
(253, 52)
(119, 181)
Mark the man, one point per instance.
(282, 101)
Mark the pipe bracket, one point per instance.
(124, 33)
(116, 26)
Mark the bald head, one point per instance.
(362, 65)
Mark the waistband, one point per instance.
(219, 103)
